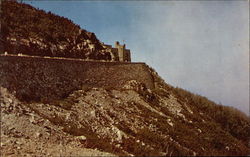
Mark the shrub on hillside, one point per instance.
(230, 119)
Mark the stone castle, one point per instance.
(119, 52)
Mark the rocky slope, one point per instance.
(131, 120)
(128, 121)
(38, 33)
(24, 132)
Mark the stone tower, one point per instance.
(123, 53)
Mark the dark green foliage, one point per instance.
(31, 31)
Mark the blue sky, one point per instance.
(201, 46)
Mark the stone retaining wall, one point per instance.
(38, 79)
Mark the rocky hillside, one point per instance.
(30, 31)
(133, 120)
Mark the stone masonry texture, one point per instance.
(44, 79)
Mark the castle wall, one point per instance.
(121, 53)
(37, 78)
(115, 54)
(127, 55)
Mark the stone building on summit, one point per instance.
(119, 52)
